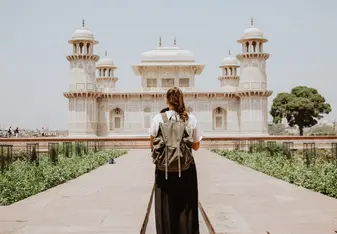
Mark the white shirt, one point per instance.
(192, 125)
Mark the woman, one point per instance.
(176, 199)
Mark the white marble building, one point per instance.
(98, 108)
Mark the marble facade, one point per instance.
(97, 107)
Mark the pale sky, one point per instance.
(33, 46)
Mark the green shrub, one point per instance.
(53, 155)
(22, 179)
(34, 157)
(66, 151)
(320, 177)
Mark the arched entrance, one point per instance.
(219, 119)
(116, 119)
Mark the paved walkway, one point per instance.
(113, 199)
(243, 201)
(110, 199)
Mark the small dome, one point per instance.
(230, 61)
(168, 54)
(83, 34)
(252, 32)
(105, 62)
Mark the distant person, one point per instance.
(43, 132)
(16, 132)
(9, 132)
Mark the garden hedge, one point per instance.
(24, 179)
(320, 176)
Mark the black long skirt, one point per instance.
(176, 202)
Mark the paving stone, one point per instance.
(110, 199)
(241, 200)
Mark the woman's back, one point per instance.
(192, 124)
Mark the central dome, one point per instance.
(168, 54)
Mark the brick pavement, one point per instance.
(113, 199)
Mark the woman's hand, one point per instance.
(151, 140)
(196, 145)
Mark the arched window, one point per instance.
(116, 119)
(81, 47)
(247, 47)
(219, 119)
(254, 46)
(88, 48)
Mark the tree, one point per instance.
(303, 106)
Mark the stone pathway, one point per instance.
(110, 199)
(114, 198)
(240, 200)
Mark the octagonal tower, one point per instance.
(82, 92)
(252, 88)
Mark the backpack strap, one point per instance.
(164, 117)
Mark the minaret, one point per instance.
(229, 80)
(252, 89)
(106, 80)
(82, 92)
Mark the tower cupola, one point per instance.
(106, 80)
(83, 40)
(229, 78)
(252, 40)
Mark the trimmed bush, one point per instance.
(320, 176)
(34, 157)
(22, 179)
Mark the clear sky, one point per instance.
(33, 46)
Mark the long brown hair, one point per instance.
(175, 98)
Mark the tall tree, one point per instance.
(303, 106)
